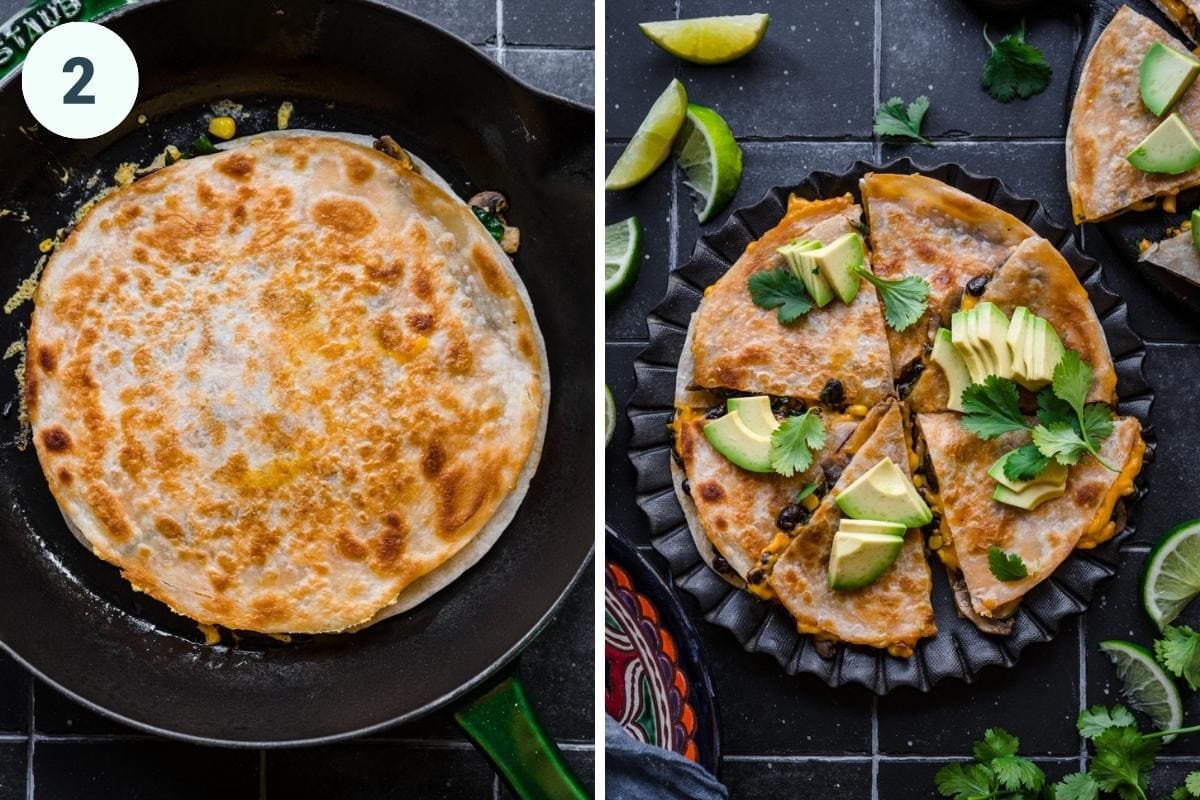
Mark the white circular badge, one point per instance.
(80, 80)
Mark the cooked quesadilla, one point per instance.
(893, 612)
(1177, 254)
(1183, 13)
(289, 387)
(920, 226)
(738, 345)
(1043, 537)
(1109, 119)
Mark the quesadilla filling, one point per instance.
(993, 442)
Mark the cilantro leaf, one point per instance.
(794, 441)
(1072, 380)
(904, 299)
(804, 492)
(1097, 422)
(1179, 653)
(893, 119)
(1123, 759)
(1096, 720)
(1025, 463)
(1015, 773)
(990, 408)
(962, 782)
(1051, 409)
(1061, 442)
(996, 743)
(1014, 68)
(1077, 786)
(493, 223)
(1192, 783)
(1006, 566)
(779, 288)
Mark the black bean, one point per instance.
(791, 516)
(687, 487)
(833, 394)
(908, 376)
(722, 566)
(756, 576)
(678, 459)
(716, 412)
(976, 285)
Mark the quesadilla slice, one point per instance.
(972, 522)
(738, 345)
(1177, 255)
(893, 612)
(920, 226)
(1109, 120)
(1183, 13)
(1037, 277)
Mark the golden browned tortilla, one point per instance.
(738, 345)
(1108, 120)
(895, 611)
(1183, 13)
(1043, 537)
(921, 226)
(280, 385)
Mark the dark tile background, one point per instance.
(804, 101)
(52, 749)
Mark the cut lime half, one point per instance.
(610, 415)
(708, 40)
(1146, 686)
(1171, 574)
(622, 255)
(711, 160)
(651, 143)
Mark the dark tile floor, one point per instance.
(79, 755)
(804, 101)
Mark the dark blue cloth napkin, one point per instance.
(635, 770)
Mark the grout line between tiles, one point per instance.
(876, 141)
(500, 32)
(1082, 690)
(793, 758)
(875, 742)
(856, 139)
(29, 749)
(495, 787)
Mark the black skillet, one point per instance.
(356, 66)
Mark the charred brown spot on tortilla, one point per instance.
(64, 475)
(349, 547)
(387, 271)
(419, 321)
(169, 528)
(344, 215)
(56, 438)
(358, 170)
(433, 461)
(711, 491)
(237, 165)
(47, 359)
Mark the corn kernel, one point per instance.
(1144, 245)
(918, 481)
(859, 411)
(914, 460)
(222, 127)
(935, 543)
(46, 245)
(1168, 204)
(810, 503)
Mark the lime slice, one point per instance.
(651, 143)
(711, 160)
(708, 40)
(1171, 575)
(610, 415)
(1146, 686)
(622, 254)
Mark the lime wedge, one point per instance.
(622, 253)
(651, 143)
(610, 415)
(710, 158)
(708, 40)
(1146, 686)
(1171, 575)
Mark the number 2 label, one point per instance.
(87, 70)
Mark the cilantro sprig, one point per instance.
(893, 118)
(794, 442)
(904, 299)
(1006, 566)
(779, 288)
(1014, 67)
(1179, 653)
(998, 772)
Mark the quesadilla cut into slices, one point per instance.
(920, 226)
(1184, 13)
(737, 345)
(1177, 254)
(972, 522)
(894, 612)
(1037, 277)
(1109, 119)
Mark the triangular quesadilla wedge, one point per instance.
(1108, 120)
(1177, 255)
(920, 226)
(895, 611)
(973, 522)
(1184, 13)
(738, 345)
(1038, 277)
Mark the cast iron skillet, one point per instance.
(353, 66)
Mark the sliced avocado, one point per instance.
(846, 525)
(1041, 349)
(1165, 75)
(885, 493)
(1029, 498)
(960, 337)
(858, 559)
(1170, 148)
(755, 412)
(1016, 339)
(953, 366)
(796, 254)
(990, 331)
(1053, 475)
(733, 439)
(836, 262)
(1196, 228)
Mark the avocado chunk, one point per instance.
(1170, 148)
(946, 355)
(960, 337)
(1030, 497)
(990, 331)
(1053, 475)
(1016, 339)
(796, 254)
(732, 438)
(1036, 348)
(858, 559)
(837, 261)
(1196, 228)
(885, 493)
(1165, 75)
(871, 526)
(755, 412)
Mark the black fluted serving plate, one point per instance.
(959, 650)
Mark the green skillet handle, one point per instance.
(501, 723)
(40, 16)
